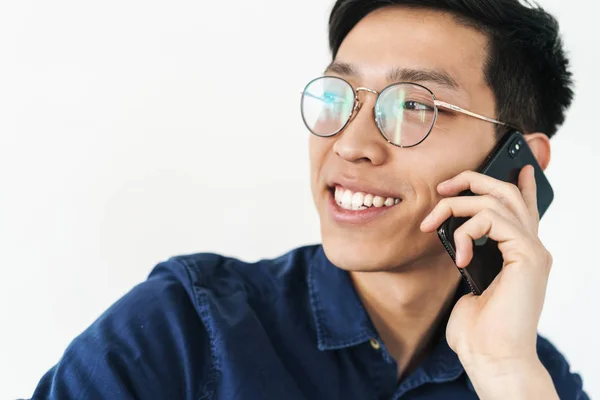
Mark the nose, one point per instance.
(361, 140)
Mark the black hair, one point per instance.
(527, 68)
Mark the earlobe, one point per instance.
(541, 148)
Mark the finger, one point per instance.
(487, 222)
(506, 192)
(528, 188)
(464, 206)
(469, 180)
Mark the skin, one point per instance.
(400, 270)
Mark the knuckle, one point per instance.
(512, 190)
(544, 257)
(457, 235)
(443, 204)
(461, 231)
(466, 174)
(549, 259)
(444, 201)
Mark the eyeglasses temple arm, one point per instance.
(466, 112)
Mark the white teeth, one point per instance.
(357, 200)
(347, 200)
(378, 201)
(361, 201)
(338, 195)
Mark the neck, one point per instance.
(407, 305)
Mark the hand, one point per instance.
(495, 334)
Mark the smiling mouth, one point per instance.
(359, 201)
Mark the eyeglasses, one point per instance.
(404, 112)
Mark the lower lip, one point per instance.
(357, 217)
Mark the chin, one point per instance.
(357, 255)
(361, 252)
(388, 242)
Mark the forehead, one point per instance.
(403, 37)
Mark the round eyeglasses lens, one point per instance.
(327, 104)
(405, 113)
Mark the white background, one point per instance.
(131, 131)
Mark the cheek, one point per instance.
(441, 162)
(318, 149)
(449, 153)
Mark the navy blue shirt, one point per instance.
(209, 327)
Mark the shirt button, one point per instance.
(375, 343)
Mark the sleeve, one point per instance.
(569, 385)
(151, 344)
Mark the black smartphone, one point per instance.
(504, 163)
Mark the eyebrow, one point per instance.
(398, 74)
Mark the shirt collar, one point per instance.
(341, 320)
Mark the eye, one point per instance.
(416, 106)
(328, 99)
(333, 98)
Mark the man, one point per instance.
(379, 310)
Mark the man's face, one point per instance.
(359, 158)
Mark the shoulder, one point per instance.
(166, 327)
(215, 275)
(568, 384)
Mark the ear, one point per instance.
(540, 146)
